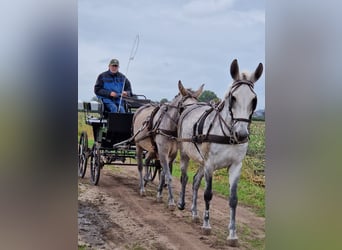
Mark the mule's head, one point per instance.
(242, 99)
(186, 96)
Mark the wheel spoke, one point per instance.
(82, 156)
(95, 165)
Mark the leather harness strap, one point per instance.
(198, 137)
(153, 128)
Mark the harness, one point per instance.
(153, 128)
(199, 137)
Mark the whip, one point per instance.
(131, 58)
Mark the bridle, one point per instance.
(227, 138)
(234, 87)
(180, 108)
(153, 129)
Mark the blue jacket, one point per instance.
(107, 82)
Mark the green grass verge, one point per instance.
(249, 194)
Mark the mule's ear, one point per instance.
(234, 70)
(258, 72)
(181, 88)
(199, 91)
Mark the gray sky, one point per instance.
(189, 40)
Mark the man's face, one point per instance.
(113, 68)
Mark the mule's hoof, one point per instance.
(142, 193)
(233, 242)
(195, 219)
(181, 206)
(171, 207)
(206, 230)
(159, 199)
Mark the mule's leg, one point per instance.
(234, 175)
(168, 179)
(148, 159)
(208, 194)
(166, 162)
(162, 180)
(140, 168)
(195, 186)
(184, 162)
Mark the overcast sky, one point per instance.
(193, 41)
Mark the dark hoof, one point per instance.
(172, 207)
(233, 242)
(196, 219)
(181, 206)
(206, 230)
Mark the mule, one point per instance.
(217, 137)
(156, 129)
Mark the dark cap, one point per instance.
(114, 62)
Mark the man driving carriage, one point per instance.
(111, 85)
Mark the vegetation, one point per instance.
(164, 100)
(208, 96)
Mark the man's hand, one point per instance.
(113, 94)
(124, 93)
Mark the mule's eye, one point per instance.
(254, 103)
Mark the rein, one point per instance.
(234, 87)
(153, 129)
(198, 137)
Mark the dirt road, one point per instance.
(114, 216)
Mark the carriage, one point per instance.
(113, 139)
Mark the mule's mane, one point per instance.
(244, 76)
(189, 90)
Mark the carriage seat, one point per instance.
(93, 106)
(93, 112)
(130, 104)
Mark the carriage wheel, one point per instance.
(82, 154)
(152, 170)
(95, 165)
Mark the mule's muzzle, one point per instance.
(241, 136)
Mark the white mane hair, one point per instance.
(244, 75)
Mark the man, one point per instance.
(111, 85)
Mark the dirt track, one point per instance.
(114, 216)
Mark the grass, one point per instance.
(82, 126)
(246, 235)
(134, 246)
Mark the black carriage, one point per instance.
(113, 139)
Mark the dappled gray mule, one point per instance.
(217, 137)
(155, 128)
